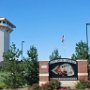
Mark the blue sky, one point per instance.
(42, 23)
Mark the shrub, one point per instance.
(83, 84)
(35, 87)
(47, 86)
(53, 84)
(3, 86)
(86, 83)
(79, 85)
(89, 71)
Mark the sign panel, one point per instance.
(63, 69)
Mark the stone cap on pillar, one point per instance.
(82, 60)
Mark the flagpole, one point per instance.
(63, 46)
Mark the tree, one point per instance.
(54, 55)
(13, 66)
(32, 68)
(81, 51)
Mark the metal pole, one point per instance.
(22, 50)
(87, 37)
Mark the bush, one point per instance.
(79, 85)
(35, 87)
(83, 84)
(3, 86)
(47, 86)
(89, 71)
(87, 83)
(53, 84)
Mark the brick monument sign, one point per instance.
(67, 71)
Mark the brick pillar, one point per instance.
(43, 72)
(82, 69)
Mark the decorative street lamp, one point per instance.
(22, 50)
(87, 24)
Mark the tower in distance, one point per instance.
(6, 27)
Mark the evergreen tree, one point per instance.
(32, 68)
(81, 51)
(54, 55)
(13, 66)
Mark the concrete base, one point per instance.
(70, 84)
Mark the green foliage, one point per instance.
(89, 71)
(11, 58)
(54, 55)
(83, 84)
(3, 86)
(55, 84)
(2, 75)
(13, 66)
(20, 73)
(32, 53)
(35, 87)
(51, 85)
(73, 57)
(79, 85)
(81, 51)
(31, 66)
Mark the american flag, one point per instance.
(62, 38)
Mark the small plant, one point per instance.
(55, 84)
(3, 86)
(35, 87)
(51, 85)
(79, 85)
(47, 86)
(83, 84)
(86, 83)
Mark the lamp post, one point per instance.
(22, 50)
(87, 24)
